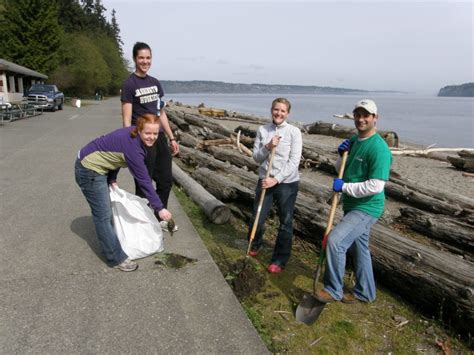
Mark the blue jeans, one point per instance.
(350, 235)
(285, 198)
(96, 190)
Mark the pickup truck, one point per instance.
(46, 96)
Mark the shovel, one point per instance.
(260, 203)
(310, 308)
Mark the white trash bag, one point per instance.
(137, 228)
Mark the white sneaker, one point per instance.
(164, 226)
(127, 265)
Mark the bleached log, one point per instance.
(335, 130)
(233, 157)
(425, 202)
(466, 202)
(456, 236)
(242, 148)
(214, 209)
(177, 120)
(188, 140)
(426, 152)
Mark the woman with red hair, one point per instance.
(97, 167)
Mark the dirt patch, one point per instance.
(245, 279)
(173, 261)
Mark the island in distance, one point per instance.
(463, 90)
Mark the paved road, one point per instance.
(58, 296)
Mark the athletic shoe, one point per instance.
(274, 269)
(253, 253)
(164, 226)
(127, 265)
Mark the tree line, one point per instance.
(71, 41)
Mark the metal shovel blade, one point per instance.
(309, 309)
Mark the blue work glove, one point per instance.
(344, 147)
(337, 185)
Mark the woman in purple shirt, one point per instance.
(97, 167)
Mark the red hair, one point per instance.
(142, 120)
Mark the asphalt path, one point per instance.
(58, 296)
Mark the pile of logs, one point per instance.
(435, 273)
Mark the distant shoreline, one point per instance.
(219, 87)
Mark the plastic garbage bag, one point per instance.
(137, 228)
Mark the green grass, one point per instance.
(341, 328)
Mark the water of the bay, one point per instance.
(425, 120)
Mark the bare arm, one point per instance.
(127, 114)
(166, 127)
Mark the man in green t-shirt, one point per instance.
(366, 171)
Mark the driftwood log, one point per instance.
(465, 161)
(345, 132)
(233, 157)
(425, 202)
(214, 209)
(465, 202)
(177, 120)
(458, 237)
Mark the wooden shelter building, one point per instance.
(15, 80)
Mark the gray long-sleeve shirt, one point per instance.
(287, 154)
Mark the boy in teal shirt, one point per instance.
(366, 171)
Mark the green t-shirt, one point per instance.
(368, 159)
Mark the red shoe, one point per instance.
(253, 253)
(274, 269)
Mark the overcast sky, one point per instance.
(373, 45)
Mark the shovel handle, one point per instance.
(260, 202)
(332, 213)
(335, 200)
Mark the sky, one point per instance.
(372, 45)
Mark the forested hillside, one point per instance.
(71, 41)
(462, 90)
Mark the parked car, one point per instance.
(46, 96)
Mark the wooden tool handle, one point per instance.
(335, 199)
(260, 202)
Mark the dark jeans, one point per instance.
(96, 191)
(285, 198)
(159, 164)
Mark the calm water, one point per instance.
(444, 121)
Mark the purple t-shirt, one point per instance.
(108, 153)
(144, 93)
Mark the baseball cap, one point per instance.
(368, 105)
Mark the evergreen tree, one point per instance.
(99, 11)
(31, 34)
(70, 40)
(108, 48)
(2, 16)
(71, 16)
(84, 70)
(116, 31)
